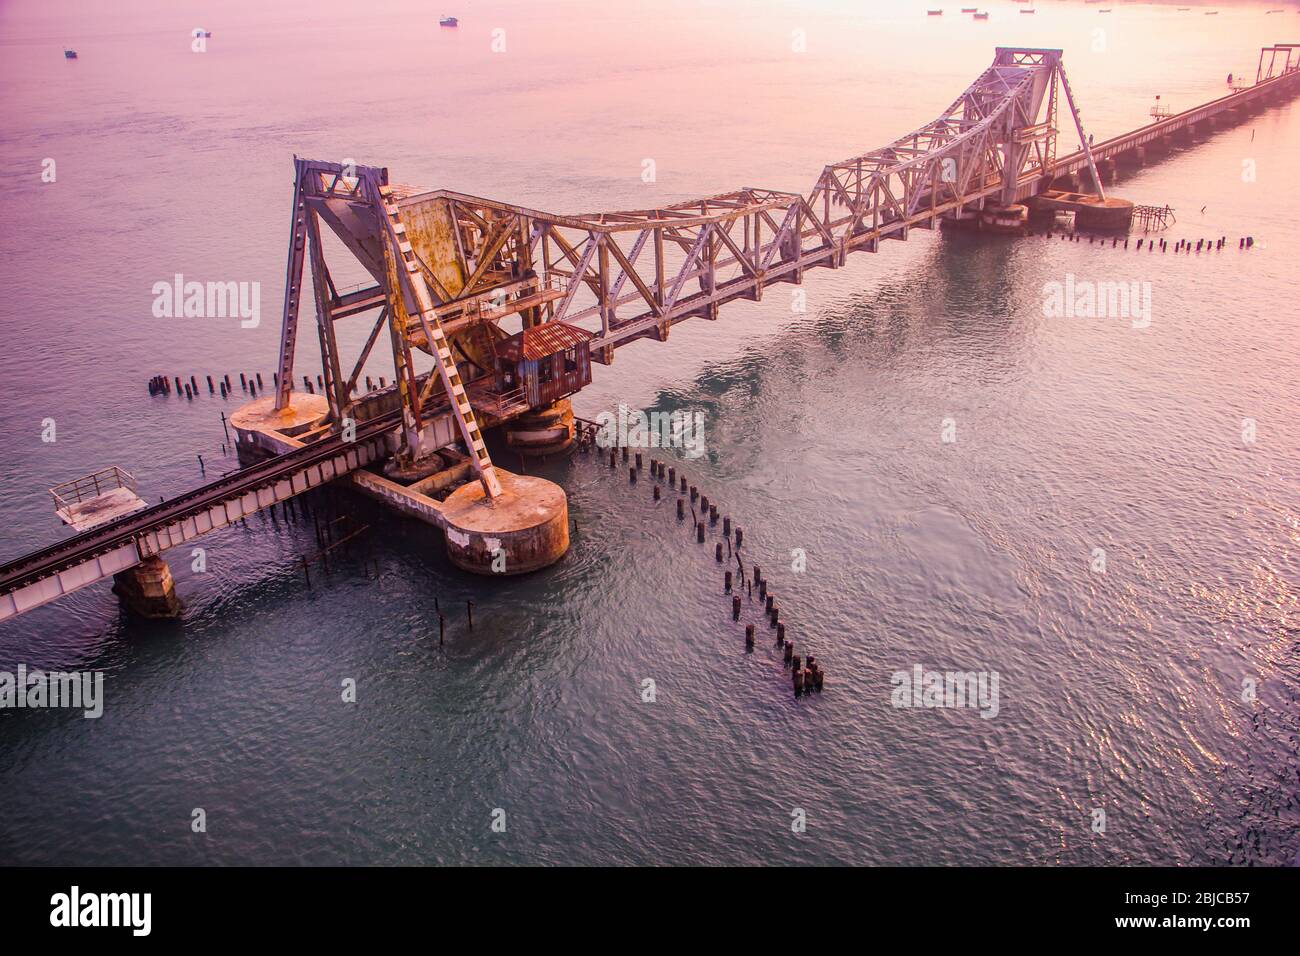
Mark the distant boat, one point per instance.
(969, 9)
(1031, 10)
(980, 16)
(934, 13)
(448, 22)
(69, 54)
(1104, 10)
(1211, 13)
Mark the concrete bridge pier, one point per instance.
(425, 462)
(543, 431)
(254, 421)
(524, 529)
(1134, 158)
(148, 589)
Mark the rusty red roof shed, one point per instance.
(549, 338)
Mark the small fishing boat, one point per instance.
(980, 16)
(1030, 10)
(934, 13)
(69, 54)
(969, 9)
(1104, 10)
(448, 22)
(1211, 13)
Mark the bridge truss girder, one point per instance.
(633, 274)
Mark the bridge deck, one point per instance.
(1152, 132)
(83, 559)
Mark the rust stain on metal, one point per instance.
(546, 339)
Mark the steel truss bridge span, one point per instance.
(447, 268)
(446, 265)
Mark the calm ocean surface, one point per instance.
(1119, 691)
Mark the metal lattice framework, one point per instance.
(449, 267)
(1290, 61)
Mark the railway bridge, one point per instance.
(512, 305)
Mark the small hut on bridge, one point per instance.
(548, 362)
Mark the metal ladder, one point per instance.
(292, 291)
(438, 345)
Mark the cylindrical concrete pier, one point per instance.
(253, 420)
(524, 529)
(543, 431)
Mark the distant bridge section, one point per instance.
(1276, 81)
